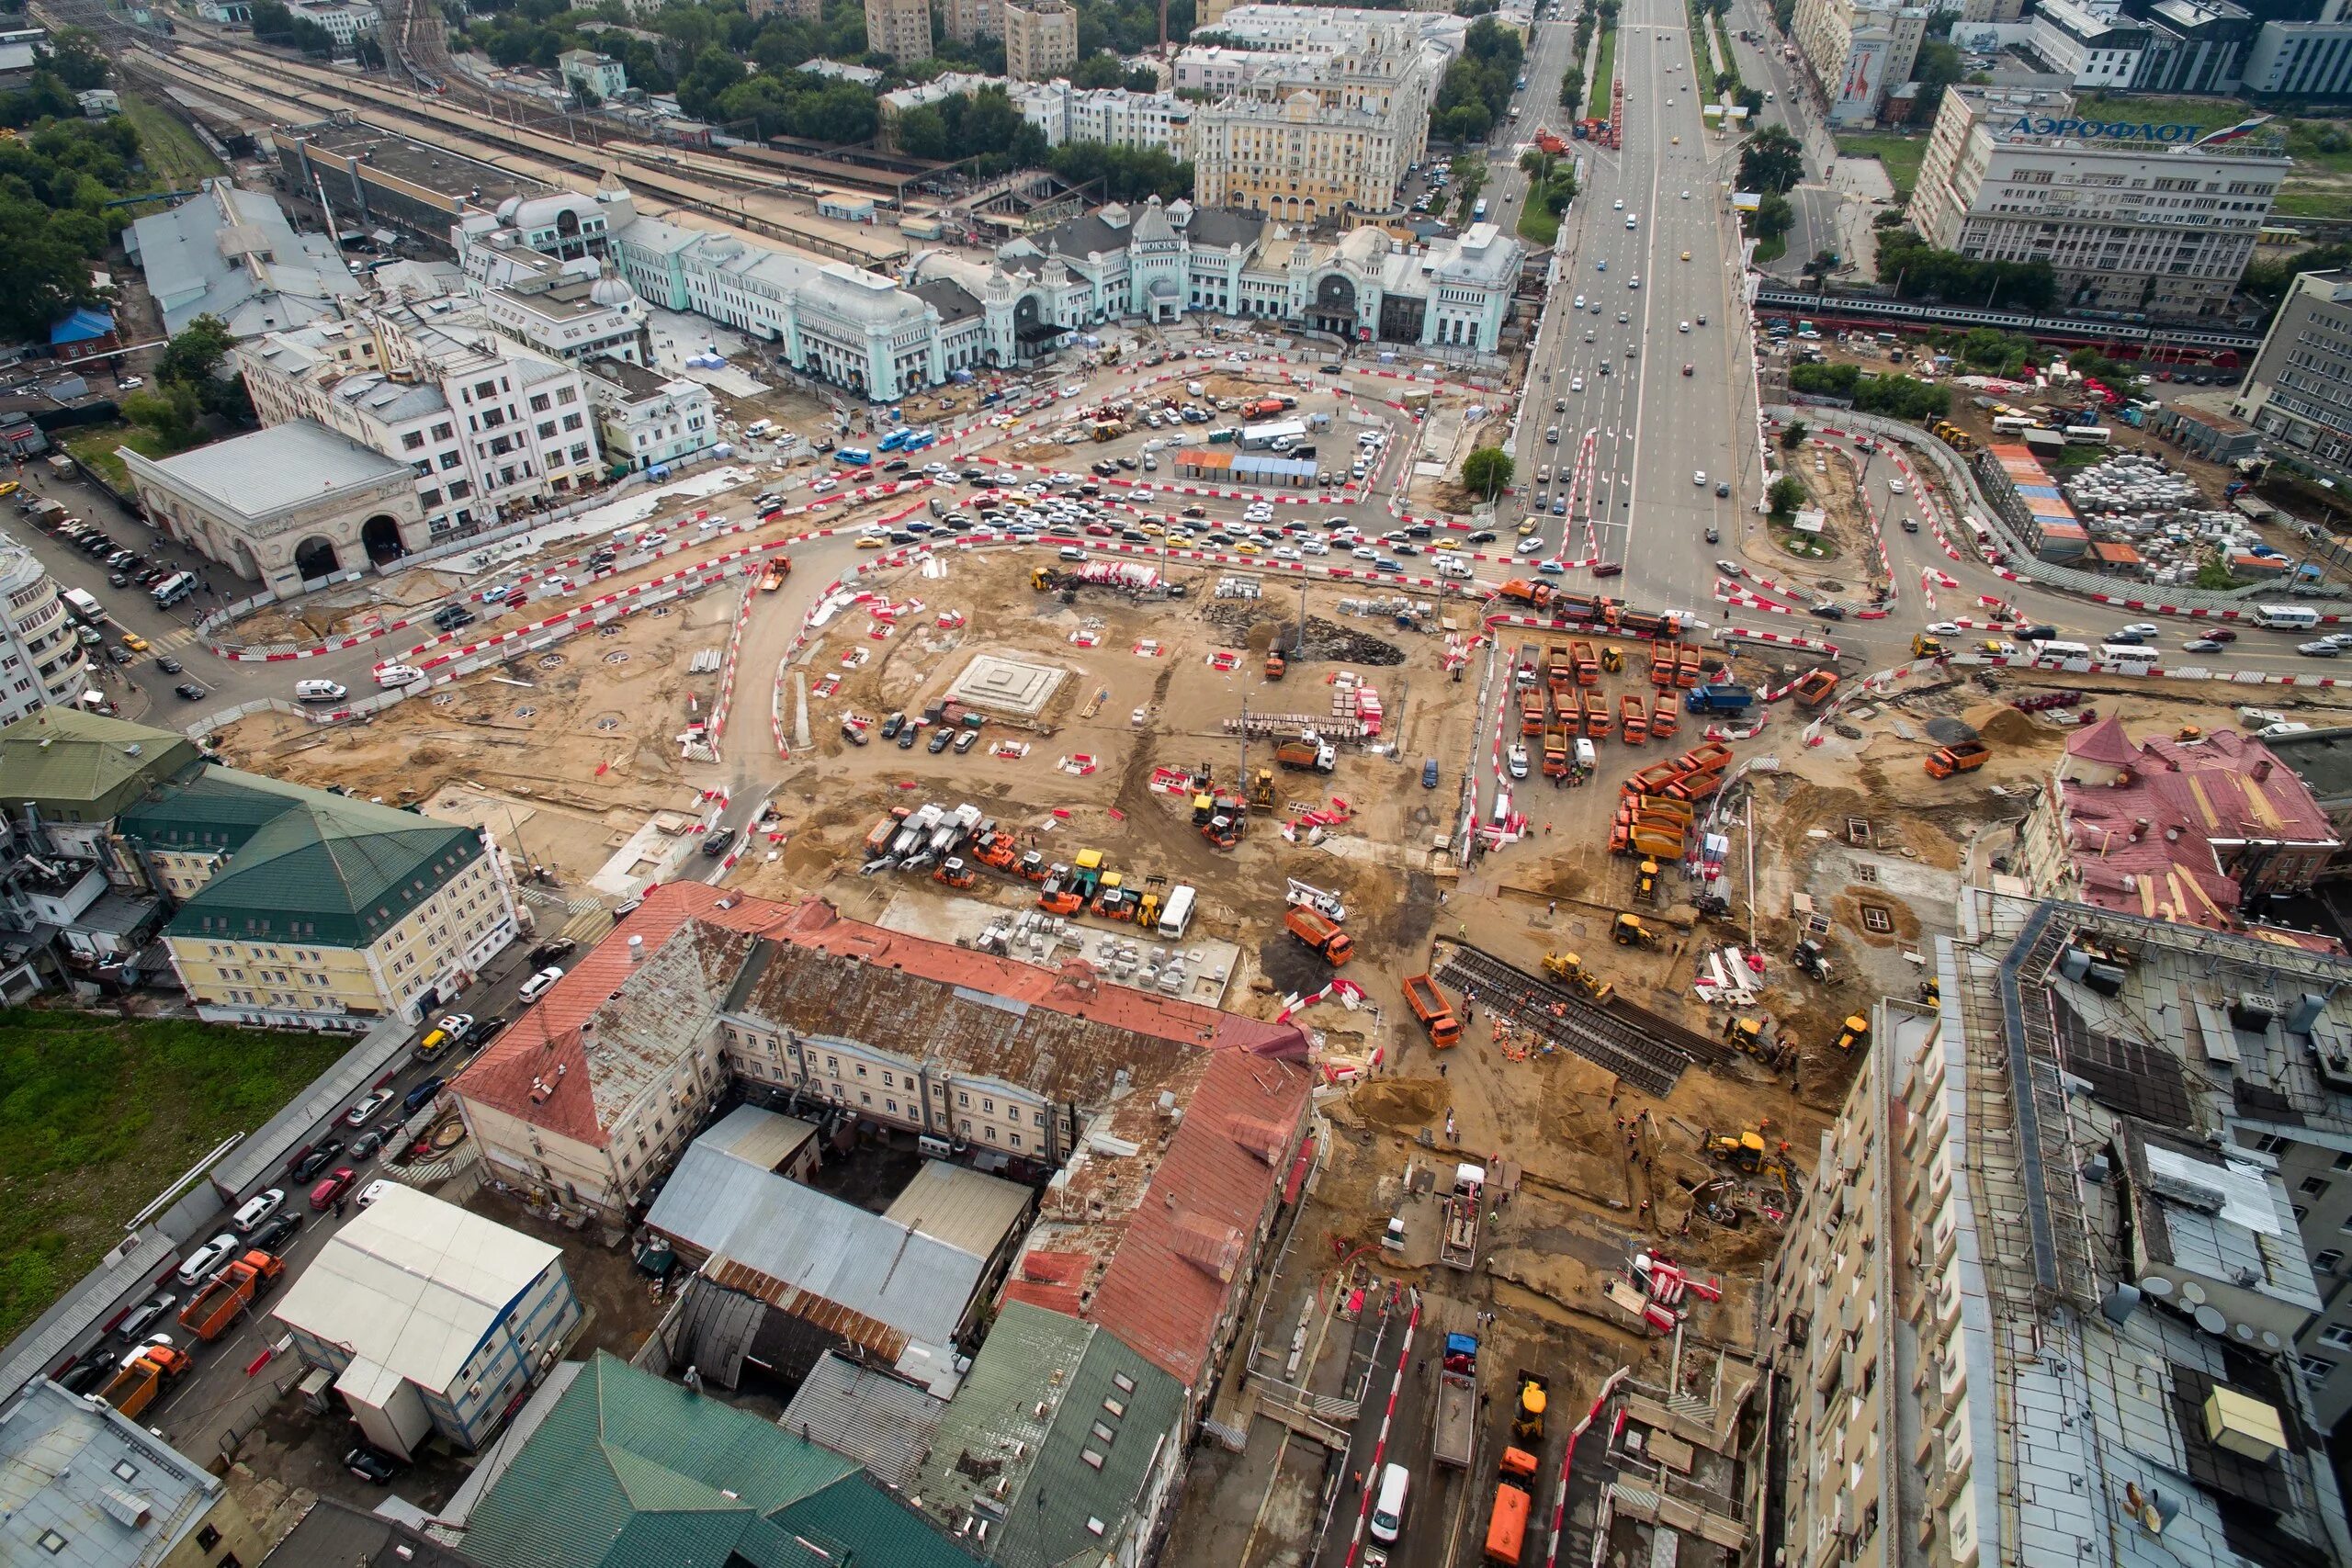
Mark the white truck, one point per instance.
(1459, 1248)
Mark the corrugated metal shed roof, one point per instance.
(57, 1457)
(960, 1206)
(410, 1286)
(758, 1137)
(884, 1423)
(813, 1241)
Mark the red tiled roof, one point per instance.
(1167, 1286)
(2103, 742)
(1053, 1281)
(537, 1070)
(2160, 844)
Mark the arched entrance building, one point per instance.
(292, 503)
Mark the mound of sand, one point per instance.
(1997, 724)
(1399, 1102)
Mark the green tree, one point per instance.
(170, 409)
(2213, 574)
(1487, 472)
(1773, 216)
(1786, 495)
(76, 58)
(1771, 160)
(1792, 434)
(1938, 67)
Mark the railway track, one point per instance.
(1649, 1051)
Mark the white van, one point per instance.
(1388, 1503)
(539, 985)
(256, 1209)
(319, 692)
(399, 675)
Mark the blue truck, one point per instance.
(1718, 697)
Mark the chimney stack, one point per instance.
(2261, 769)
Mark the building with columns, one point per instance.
(1163, 264)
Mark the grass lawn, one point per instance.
(95, 447)
(1536, 226)
(99, 1113)
(170, 149)
(1771, 250)
(1901, 154)
(1595, 96)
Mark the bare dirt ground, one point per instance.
(589, 726)
(1109, 802)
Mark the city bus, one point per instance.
(853, 457)
(2055, 652)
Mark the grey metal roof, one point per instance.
(98, 1295)
(759, 1138)
(884, 1423)
(817, 1243)
(952, 301)
(334, 1534)
(961, 1206)
(81, 1487)
(282, 465)
(232, 254)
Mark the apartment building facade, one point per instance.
(1040, 37)
(41, 662)
(2019, 1216)
(1856, 51)
(966, 20)
(2130, 225)
(2299, 393)
(899, 28)
(298, 908)
(1325, 139)
(487, 427)
(648, 419)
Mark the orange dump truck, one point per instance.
(1595, 707)
(1560, 674)
(227, 1295)
(134, 1388)
(1964, 757)
(1328, 939)
(1514, 1501)
(1555, 752)
(1588, 668)
(1634, 718)
(1813, 689)
(1531, 711)
(1428, 1005)
(1691, 668)
(1664, 717)
(1662, 660)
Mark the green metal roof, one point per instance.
(631, 1470)
(303, 865)
(1080, 1372)
(84, 767)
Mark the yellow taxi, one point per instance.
(134, 642)
(1248, 548)
(7, 487)
(871, 541)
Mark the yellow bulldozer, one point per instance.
(1612, 658)
(1629, 931)
(1855, 1033)
(1261, 788)
(1569, 968)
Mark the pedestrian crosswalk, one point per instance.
(178, 637)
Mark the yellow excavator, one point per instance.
(1744, 1151)
(1261, 788)
(1612, 658)
(1856, 1033)
(1569, 967)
